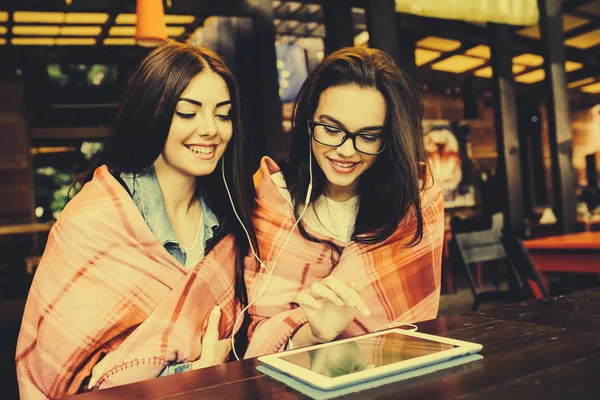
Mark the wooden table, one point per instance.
(541, 349)
(577, 252)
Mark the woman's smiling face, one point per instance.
(201, 127)
(354, 109)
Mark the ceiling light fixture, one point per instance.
(151, 29)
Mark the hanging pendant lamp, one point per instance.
(150, 28)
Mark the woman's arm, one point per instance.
(400, 283)
(270, 334)
(173, 333)
(326, 309)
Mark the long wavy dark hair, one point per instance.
(390, 189)
(140, 131)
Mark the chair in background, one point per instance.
(476, 224)
(520, 258)
(498, 221)
(471, 248)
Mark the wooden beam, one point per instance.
(105, 28)
(467, 33)
(219, 8)
(505, 121)
(20, 229)
(269, 120)
(445, 55)
(339, 29)
(534, 46)
(570, 5)
(303, 32)
(9, 26)
(450, 29)
(445, 80)
(382, 26)
(69, 133)
(559, 123)
(583, 73)
(407, 42)
(580, 30)
(302, 14)
(74, 54)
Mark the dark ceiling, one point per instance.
(447, 51)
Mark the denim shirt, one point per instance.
(147, 196)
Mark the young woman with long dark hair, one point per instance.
(127, 288)
(368, 247)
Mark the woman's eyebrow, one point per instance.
(199, 104)
(194, 102)
(331, 119)
(338, 123)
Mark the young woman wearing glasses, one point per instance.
(367, 249)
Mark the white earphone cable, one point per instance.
(260, 262)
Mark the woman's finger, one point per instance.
(223, 350)
(318, 291)
(305, 299)
(356, 286)
(211, 336)
(350, 296)
(361, 304)
(343, 291)
(210, 341)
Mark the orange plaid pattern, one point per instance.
(401, 283)
(105, 284)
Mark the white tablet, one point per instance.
(346, 362)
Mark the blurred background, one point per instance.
(511, 93)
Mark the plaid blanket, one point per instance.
(105, 284)
(401, 283)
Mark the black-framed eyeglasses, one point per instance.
(335, 136)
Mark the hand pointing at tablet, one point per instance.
(330, 307)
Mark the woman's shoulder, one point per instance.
(268, 176)
(268, 167)
(431, 195)
(101, 198)
(430, 191)
(271, 187)
(279, 180)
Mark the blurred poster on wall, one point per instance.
(292, 70)
(448, 152)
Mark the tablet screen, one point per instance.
(347, 358)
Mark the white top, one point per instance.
(331, 218)
(195, 252)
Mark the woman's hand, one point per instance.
(214, 351)
(330, 307)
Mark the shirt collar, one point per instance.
(209, 218)
(155, 212)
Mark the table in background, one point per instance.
(572, 253)
(541, 349)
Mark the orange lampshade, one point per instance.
(151, 29)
